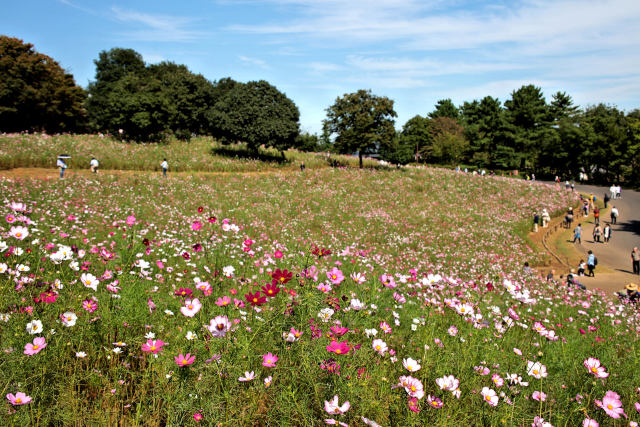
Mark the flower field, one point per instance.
(338, 296)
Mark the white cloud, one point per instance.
(163, 28)
(254, 61)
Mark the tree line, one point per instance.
(150, 102)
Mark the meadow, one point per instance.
(337, 296)
(201, 154)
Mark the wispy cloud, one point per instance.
(254, 62)
(158, 27)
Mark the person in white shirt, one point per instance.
(614, 215)
(612, 190)
(62, 165)
(94, 165)
(165, 166)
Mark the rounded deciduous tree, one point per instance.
(35, 92)
(258, 114)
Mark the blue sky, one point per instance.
(414, 52)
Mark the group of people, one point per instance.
(615, 191)
(94, 165)
(542, 219)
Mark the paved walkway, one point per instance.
(615, 255)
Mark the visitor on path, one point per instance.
(592, 261)
(61, 165)
(612, 190)
(630, 293)
(597, 233)
(582, 266)
(566, 185)
(585, 208)
(635, 260)
(550, 275)
(536, 221)
(165, 166)
(614, 215)
(93, 165)
(596, 215)
(568, 218)
(577, 234)
(618, 192)
(302, 166)
(606, 233)
(572, 281)
(606, 200)
(573, 186)
(546, 218)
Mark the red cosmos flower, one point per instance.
(186, 255)
(255, 299)
(200, 209)
(282, 276)
(338, 330)
(271, 289)
(197, 247)
(146, 242)
(489, 286)
(183, 292)
(320, 252)
(212, 219)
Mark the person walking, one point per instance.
(635, 260)
(614, 215)
(536, 221)
(596, 215)
(93, 165)
(606, 233)
(577, 234)
(165, 166)
(592, 261)
(546, 218)
(62, 166)
(606, 199)
(597, 232)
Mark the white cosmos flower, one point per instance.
(68, 319)
(34, 327)
(410, 364)
(90, 281)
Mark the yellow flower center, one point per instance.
(594, 370)
(413, 388)
(338, 351)
(488, 397)
(185, 361)
(377, 347)
(18, 400)
(35, 347)
(153, 348)
(190, 307)
(610, 406)
(535, 372)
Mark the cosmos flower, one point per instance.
(191, 307)
(490, 396)
(334, 408)
(269, 360)
(219, 326)
(18, 399)
(594, 367)
(39, 343)
(182, 360)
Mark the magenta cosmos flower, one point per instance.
(588, 422)
(38, 344)
(339, 347)
(388, 281)
(335, 276)
(412, 386)
(182, 360)
(130, 220)
(19, 398)
(594, 367)
(269, 360)
(153, 346)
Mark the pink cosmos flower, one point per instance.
(191, 307)
(359, 278)
(540, 422)
(412, 386)
(339, 348)
(39, 343)
(325, 288)
(269, 360)
(594, 367)
(335, 276)
(182, 360)
(385, 327)
(380, 346)
(90, 305)
(434, 402)
(414, 406)
(449, 383)
(637, 405)
(197, 225)
(539, 396)
(333, 407)
(388, 281)
(131, 220)
(588, 422)
(19, 232)
(453, 330)
(18, 399)
(278, 254)
(497, 380)
(10, 218)
(612, 405)
(198, 416)
(490, 396)
(223, 301)
(219, 326)
(153, 346)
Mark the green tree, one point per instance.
(632, 156)
(449, 145)
(414, 136)
(559, 151)
(484, 129)
(528, 124)
(35, 92)
(361, 122)
(445, 108)
(605, 142)
(257, 113)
